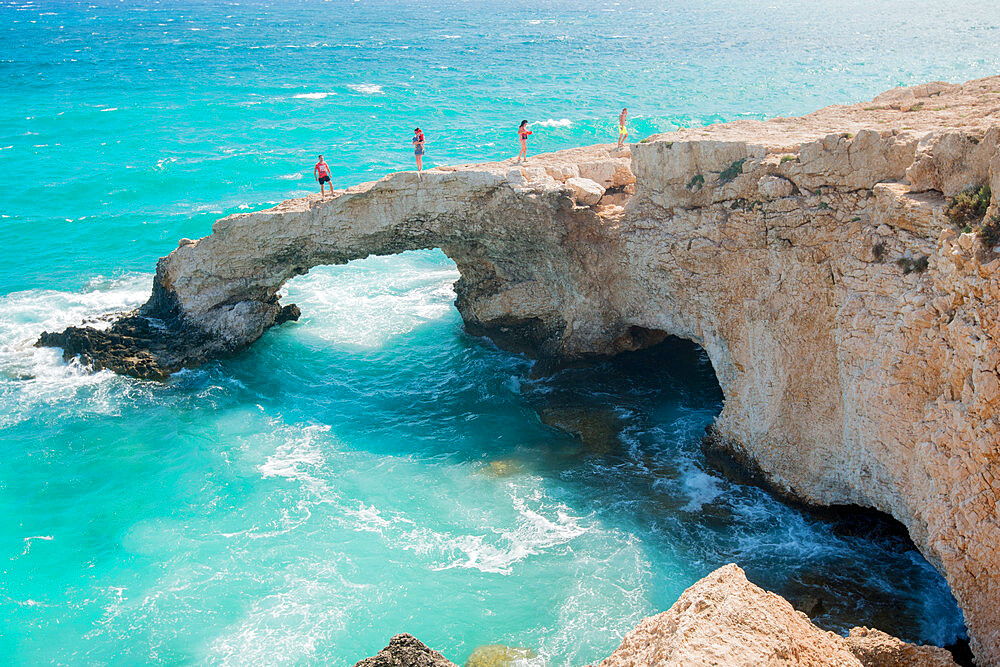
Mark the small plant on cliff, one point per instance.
(823, 206)
(909, 265)
(969, 206)
(697, 182)
(878, 251)
(732, 171)
(989, 233)
(789, 158)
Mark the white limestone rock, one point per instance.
(586, 191)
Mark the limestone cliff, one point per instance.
(852, 326)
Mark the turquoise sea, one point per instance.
(372, 469)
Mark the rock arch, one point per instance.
(854, 332)
(518, 245)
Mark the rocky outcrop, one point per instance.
(853, 328)
(724, 619)
(500, 655)
(406, 651)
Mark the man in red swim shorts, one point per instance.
(322, 173)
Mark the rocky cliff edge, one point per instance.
(839, 269)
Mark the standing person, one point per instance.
(322, 173)
(522, 134)
(418, 148)
(622, 132)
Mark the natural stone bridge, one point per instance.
(853, 329)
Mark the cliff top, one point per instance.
(924, 108)
(920, 109)
(560, 165)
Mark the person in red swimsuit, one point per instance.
(322, 173)
(522, 134)
(418, 148)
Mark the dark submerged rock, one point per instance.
(134, 345)
(289, 313)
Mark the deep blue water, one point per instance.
(373, 469)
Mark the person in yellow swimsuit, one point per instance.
(622, 132)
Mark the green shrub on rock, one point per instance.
(968, 207)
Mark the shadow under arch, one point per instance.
(618, 437)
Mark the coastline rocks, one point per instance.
(723, 619)
(132, 346)
(289, 313)
(406, 651)
(854, 332)
(874, 648)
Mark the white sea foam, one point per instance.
(562, 122)
(110, 109)
(701, 489)
(309, 603)
(312, 96)
(539, 526)
(162, 162)
(291, 177)
(371, 519)
(31, 377)
(369, 302)
(618, 570)
(28, 540)
(366, 88)
(298, 457)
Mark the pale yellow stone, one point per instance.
(725, 621)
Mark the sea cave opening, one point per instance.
(618, 439)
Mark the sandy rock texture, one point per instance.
(406, 651)
(724, 620)
(853, 328)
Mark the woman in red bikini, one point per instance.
(418, 148)
(522, 134)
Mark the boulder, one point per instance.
(724, 619)
(586, 191)
(406, 651)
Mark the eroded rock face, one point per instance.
(724, 619)
(853, 331)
